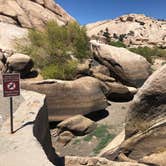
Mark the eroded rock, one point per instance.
(146, 123)
(127, 67)
(68, 98)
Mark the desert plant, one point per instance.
(106, 34)
(103, 136)
(149, 53)
(65, 71)
(117, 44)
(53, 48)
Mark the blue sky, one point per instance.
(87, 11)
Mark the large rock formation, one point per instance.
(68, 98)
(18, 15)
(149, 105)
(127, 67)
(133, 29)
(32, 13)
(146, 124)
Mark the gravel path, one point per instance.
(5, 106)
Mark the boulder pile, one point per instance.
(145, 129)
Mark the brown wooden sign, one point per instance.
(11, 84)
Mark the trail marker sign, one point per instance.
(11, 84)
(11, 87)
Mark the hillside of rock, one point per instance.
(133, 29)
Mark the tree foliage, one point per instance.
(56, 50)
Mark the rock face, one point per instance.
(133, 29)
(145, 128)
(127, 67)
(31, 139)
(147, 118)
(18, 15)
(68, 98)
(32, 13)
(149, 105)
(78, 124)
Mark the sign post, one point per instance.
(11, 114)
(11, 87)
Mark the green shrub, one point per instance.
(103, 143)
(149, 53)
(103, 136)
(99, 132)
(65, 71)
(117, 44)
(52, 47)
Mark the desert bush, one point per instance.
(149, 53)
(117, 44)
(103, 136)
(53, 48)
(65, 71)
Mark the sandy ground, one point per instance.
(116, 118)
(113, 117)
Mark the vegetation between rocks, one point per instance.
(57, 50)
(103, 136)
(117, 44)
(149, 53)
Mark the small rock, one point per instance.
(78, 124)
(92, 162)
(84, 68)
(20, 63)
(118, 92)
(54, 132)
(132, 90)
(100, 69)
(7, 53)
(65, 137)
